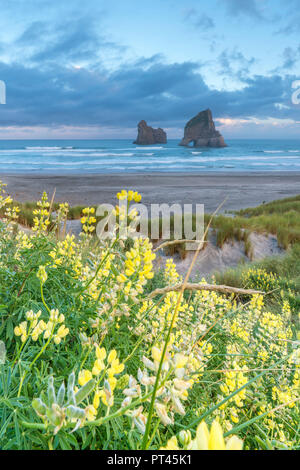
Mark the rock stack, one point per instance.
(149, 136)
(201, 131)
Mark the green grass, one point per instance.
(280, 218)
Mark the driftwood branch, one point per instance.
(208, 287)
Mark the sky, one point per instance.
(93, 69)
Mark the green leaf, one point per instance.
(9, 329)
(64, 442)
(17, 430)
(51, 392)
(61, 394)
(2, 353)
(84, 392)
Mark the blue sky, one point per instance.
(93, 69)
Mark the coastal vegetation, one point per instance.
(99, 351)
(280, 218)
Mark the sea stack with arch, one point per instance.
(201, 132)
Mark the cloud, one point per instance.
(290, 18)
(243, 7)
(292, 27)
(200, 21)
(162, 93)
(58, 74)
(75, 39)
(234, 64)
(290, 57)
(33, 34)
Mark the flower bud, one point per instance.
(39, 407)
(185, 438)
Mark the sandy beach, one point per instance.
(241, 190)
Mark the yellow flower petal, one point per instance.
(216, 439)
(234, 443)
(202, 436)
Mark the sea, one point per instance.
(121, 156)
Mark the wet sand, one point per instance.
(241, 190)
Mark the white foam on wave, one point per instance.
(288, 164)
(264, 164)
(149, 148)
(281, 151)
(48, 148)
(116, 154)
(95, 154)
(196, 153)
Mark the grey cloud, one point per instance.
(243, 7)
(72, 39)
(164, 93)
(234, 64)
(200, 21)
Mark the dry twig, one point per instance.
(207, 287)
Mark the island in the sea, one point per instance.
(201, 131)
(149, 136)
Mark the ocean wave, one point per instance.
(264, 164)
(149, 148)
(90, 155)
(281, 151)
(48, 148)
(118, 156)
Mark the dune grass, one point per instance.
(280, 218)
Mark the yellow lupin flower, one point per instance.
(100, 353)
(205, 439)
(172, 444)
(121, 278)
(116, 368)
(42, 275)
(90, 413)
(84, 377)
(156, 354)
(99, 366)
(21, 330)
(180, 361)
(62, 332)
(137, 197)
(112, 356)
(96, 400)
(122, 195)
(214, 439)
(234, 443)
